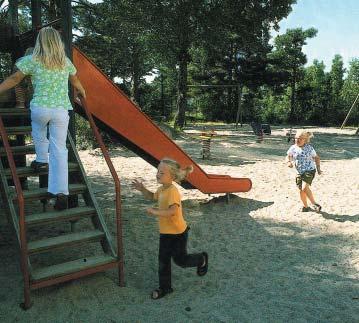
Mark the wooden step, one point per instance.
(58, 216)
(28, 171)
(71, 267)
(23, 130)
(64, 240)
(19, 150)
(14, 112)
(41, 193)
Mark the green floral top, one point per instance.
(50, 86)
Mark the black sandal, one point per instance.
(160, 292)
(202, 270)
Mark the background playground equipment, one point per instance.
(290, 134)
(266, 128)
(348, 114)
(206, 138)
(260, 129)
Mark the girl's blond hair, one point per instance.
(49, 49)
(178, 173)
(306, 135)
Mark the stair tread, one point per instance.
(28, 171)
(29, 149)
(63, 240)
(54, 216)
(9, 112)
(42, 192)
(18, 130)
(71, 266)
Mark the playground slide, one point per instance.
(115, 113)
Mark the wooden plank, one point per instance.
(65, 240)
(41, 193)
(58, 216)
(76, 275)
(18, 130)
(28, 171)
(19, 150)
(71, 267)
(14, 112)
(90, 199)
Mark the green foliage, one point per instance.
(288, 51)
(5, 65)
(197, 40)
(202, 42)
(274, 109)
(336, 78)
(350, 91)
(84, 136)
(114, 36)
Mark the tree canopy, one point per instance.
(222, 43)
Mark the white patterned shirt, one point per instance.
(50, 86)
(303, 157)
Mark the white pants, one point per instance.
(52, 150)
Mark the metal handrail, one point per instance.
(22, 223)
(117, 187)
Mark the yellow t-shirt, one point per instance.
(166, 197)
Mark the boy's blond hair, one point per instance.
(305, 134)
(49, 49)
(176, 171)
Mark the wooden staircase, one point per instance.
(53, 248)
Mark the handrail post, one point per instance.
(22, 223)
(117, 188)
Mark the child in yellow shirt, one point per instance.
(173, 228)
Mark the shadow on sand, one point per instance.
(340, 218)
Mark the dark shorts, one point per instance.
(306, 177)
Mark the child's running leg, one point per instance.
(164, 267)
(182, 259)
(58, 167)
(303, 197)
(309, 193)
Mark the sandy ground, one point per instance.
(269, 262)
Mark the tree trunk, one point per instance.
(182, 90)
(292, 97)
(13, 15)
(239, 114)
(228, 115)
(135, 91)
(35, 14)
(163, 106)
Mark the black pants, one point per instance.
(174, 246)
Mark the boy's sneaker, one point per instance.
(317, 207)
(61, 202)
(306, 209)
(38, 166)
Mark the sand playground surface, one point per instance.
(268, 262)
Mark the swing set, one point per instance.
(350, 111)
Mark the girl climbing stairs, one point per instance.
(55, 246)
